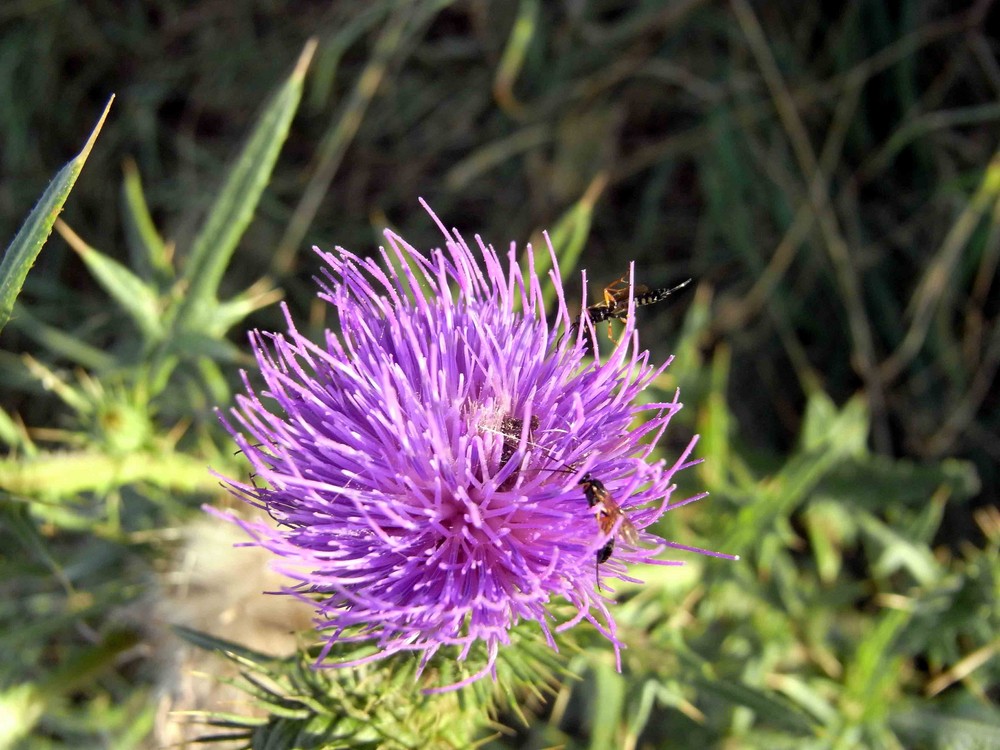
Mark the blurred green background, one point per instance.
(826, 172)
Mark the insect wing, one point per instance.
(627, 531)
(610, 515)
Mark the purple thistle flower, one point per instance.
(424, 465)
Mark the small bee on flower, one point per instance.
(610, 518)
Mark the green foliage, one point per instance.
(827, 174)
(386, 704)
(199, 314)
(808, 640)
(122, 431)
(123, 409)
(21, 254)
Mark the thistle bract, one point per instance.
(422, 464)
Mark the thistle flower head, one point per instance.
(427, 465)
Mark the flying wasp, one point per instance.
(614, 306)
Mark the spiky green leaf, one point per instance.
(234, 208)
(28, 242)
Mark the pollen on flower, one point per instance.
(430, 468)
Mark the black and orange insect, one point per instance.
(611, 519)
(614, 306)
(609, 514)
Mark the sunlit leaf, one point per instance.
(234, 208)
(28, 242)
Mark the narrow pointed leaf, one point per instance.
(214, 643)
(61, 343)
(10, 435)
(53, 381)
(22, 707)
(235, 206)
(609, 704)
(21, 253)
(149, 253)
(525, 28)
(81, 666)
(343, 129)
(769, 706)
(131, 293)
(233, 311)
(930, 727)
(869, 676)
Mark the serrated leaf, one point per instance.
(28, 242)
(234, 208)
